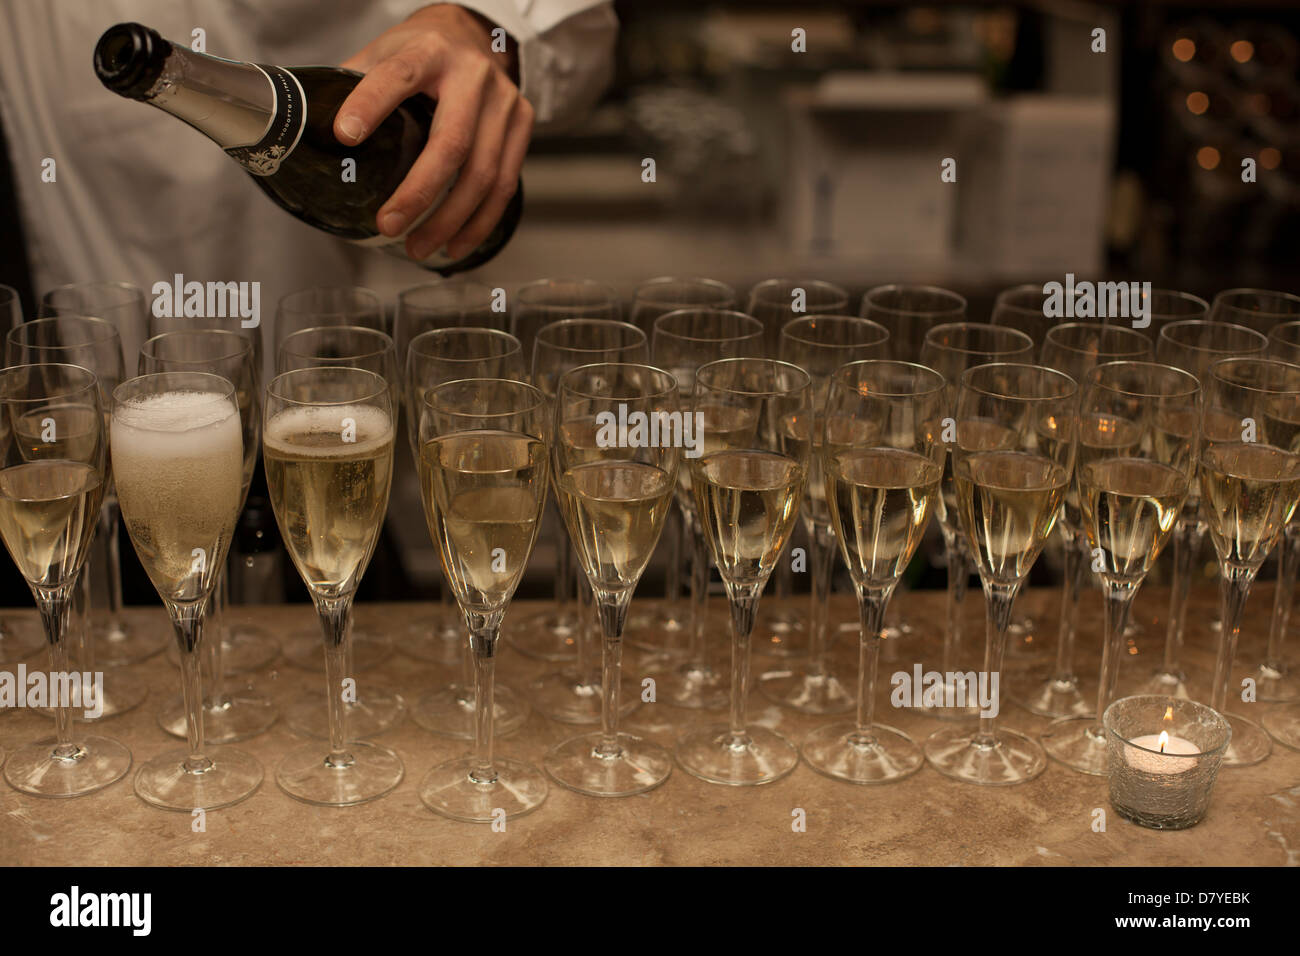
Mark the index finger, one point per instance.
(380, 91)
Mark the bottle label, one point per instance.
(264, 157)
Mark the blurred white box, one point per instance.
(1034, 185)
(864, 158)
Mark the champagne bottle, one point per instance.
(278, 123)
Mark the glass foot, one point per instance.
(657, 630)
(366, 772)
(1276, 684)
(375, 710)
(118, 644)
(1250, 743)
(781, 633)
(436, 639)
(123, 691)
(1053, 697)
(451, 790)
(549, 637)
(807, 693)
(563, 696)
(228, 777)
(881, 755)
(633, 765)
(449, 711)
(304, 649)
(1008, 758)
(958, 693)
(93, 764)
(1079, 743)
(755, 757)
(1165, 684)
(696, 685)
(242, 713)
(19, 640)
(1283, 725)
(1022, 640)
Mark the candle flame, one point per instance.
(1164, 740)
(1169, 712)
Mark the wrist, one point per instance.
(462, 21)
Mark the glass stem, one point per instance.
(586, 637)
(698, 658)
(822, 543)
(1118, 599)
(465, 689)
(484, 632)
(958, 580)
(999, 598)
(1070, 590)
(1187, 544)
(1288, 558)
(563, 567)
(55, 605)
(871, 614)
(187, 620)
(1234, 586)
(217, 625)
(672, 575)
(111, 526)
(612, 608)
(79, 621)
(744, 610)
(335, 620)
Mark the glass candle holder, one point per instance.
(1164, 755)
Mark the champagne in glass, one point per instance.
(615, 496)
(327, 442)
(50, 496)
(747, 493)
(484, 472)
(178, 460)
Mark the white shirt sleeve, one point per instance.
(566, 52)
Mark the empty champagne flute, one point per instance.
(747, 490)
(881, 483)
(435, 358)
(1258, 309)
(909, 312)
(950, 349)
(93, 344)
(819, 345)
(1009, 489)
(1250, 487)
(484, 473)
(52, 479)
(1191, 345)
(615, 484)
(178, 460)
(682, 342)
(328, 305)
(550, 300)
(1133, 474)
(228, 717)
(1075, 348)
(327, 444)
(1168, 305)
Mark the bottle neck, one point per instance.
(230, 102)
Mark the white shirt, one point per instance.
(140, 197)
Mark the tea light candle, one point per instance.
(1162, 743)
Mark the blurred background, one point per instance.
(824, 160)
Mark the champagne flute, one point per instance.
(1009, 489)
(1133, 475)
(1275, 679)
(1250, 487)
(122, 306)
(484, 472)
(683, 341)
(178, 460)
(327, 443)
(909, 312)
(93, 344)
(557, 348)
(747, 489)
(328, 305)
(615, 490)
(17, 642)
(881, 483)
(246, 713)
(651, 299)
(550, 300)
(950, 349)
(51, 483)
(1075, 348)
(1191, 345)
(819, 345)
(1258, 309)
(1168, 305)
(1021, 307)
(378, 709)
(435, 358)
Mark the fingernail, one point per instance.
(352, 127)
(392, 223)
